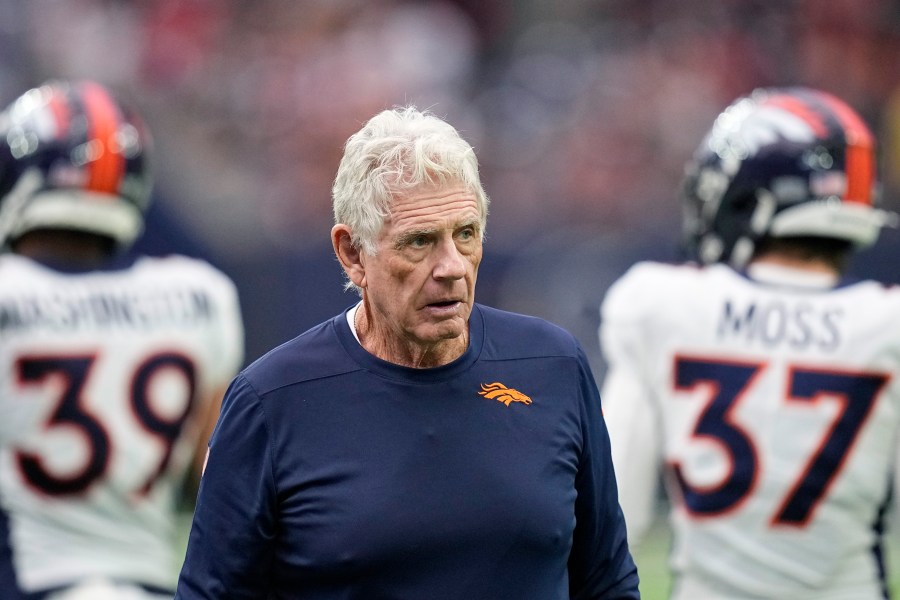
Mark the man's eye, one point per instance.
(467, 234)
(418, 241)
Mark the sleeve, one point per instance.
(600, 564)
(629, 411)
(892, 515)
(229, 345)
(230, 548)
(9, 589)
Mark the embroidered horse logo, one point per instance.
(501, 393)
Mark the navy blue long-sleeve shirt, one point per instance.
(333, 474)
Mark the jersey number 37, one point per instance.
(729, 383)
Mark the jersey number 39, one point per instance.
(70, 412)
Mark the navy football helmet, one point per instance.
(781, 162)
(73, 157)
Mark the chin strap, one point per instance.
(15, 201)
(760, 220)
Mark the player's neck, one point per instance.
(69, 248)
(793, 272)
(801, 263)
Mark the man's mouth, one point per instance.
(444, 303)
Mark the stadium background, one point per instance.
(583, 113)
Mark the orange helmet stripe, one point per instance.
(802, 110)
(860, 157)
(106, 169)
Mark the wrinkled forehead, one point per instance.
(434, 207)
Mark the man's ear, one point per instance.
(348, 254)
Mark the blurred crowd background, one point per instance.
(583, 113)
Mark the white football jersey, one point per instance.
(772, 406)
(102, 380)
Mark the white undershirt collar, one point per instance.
(351, 320)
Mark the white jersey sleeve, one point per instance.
(103, 376)
(774, 410)
(628, 404)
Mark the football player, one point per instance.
(111, 366)
(758, 379)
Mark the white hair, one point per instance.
(395, 151)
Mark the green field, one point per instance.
(651, 556)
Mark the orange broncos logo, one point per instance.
(501, 393)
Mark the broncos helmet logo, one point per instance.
(501, 393)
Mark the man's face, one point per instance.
(421, 284)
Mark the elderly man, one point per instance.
(417, 445)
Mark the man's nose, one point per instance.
(450, 263)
